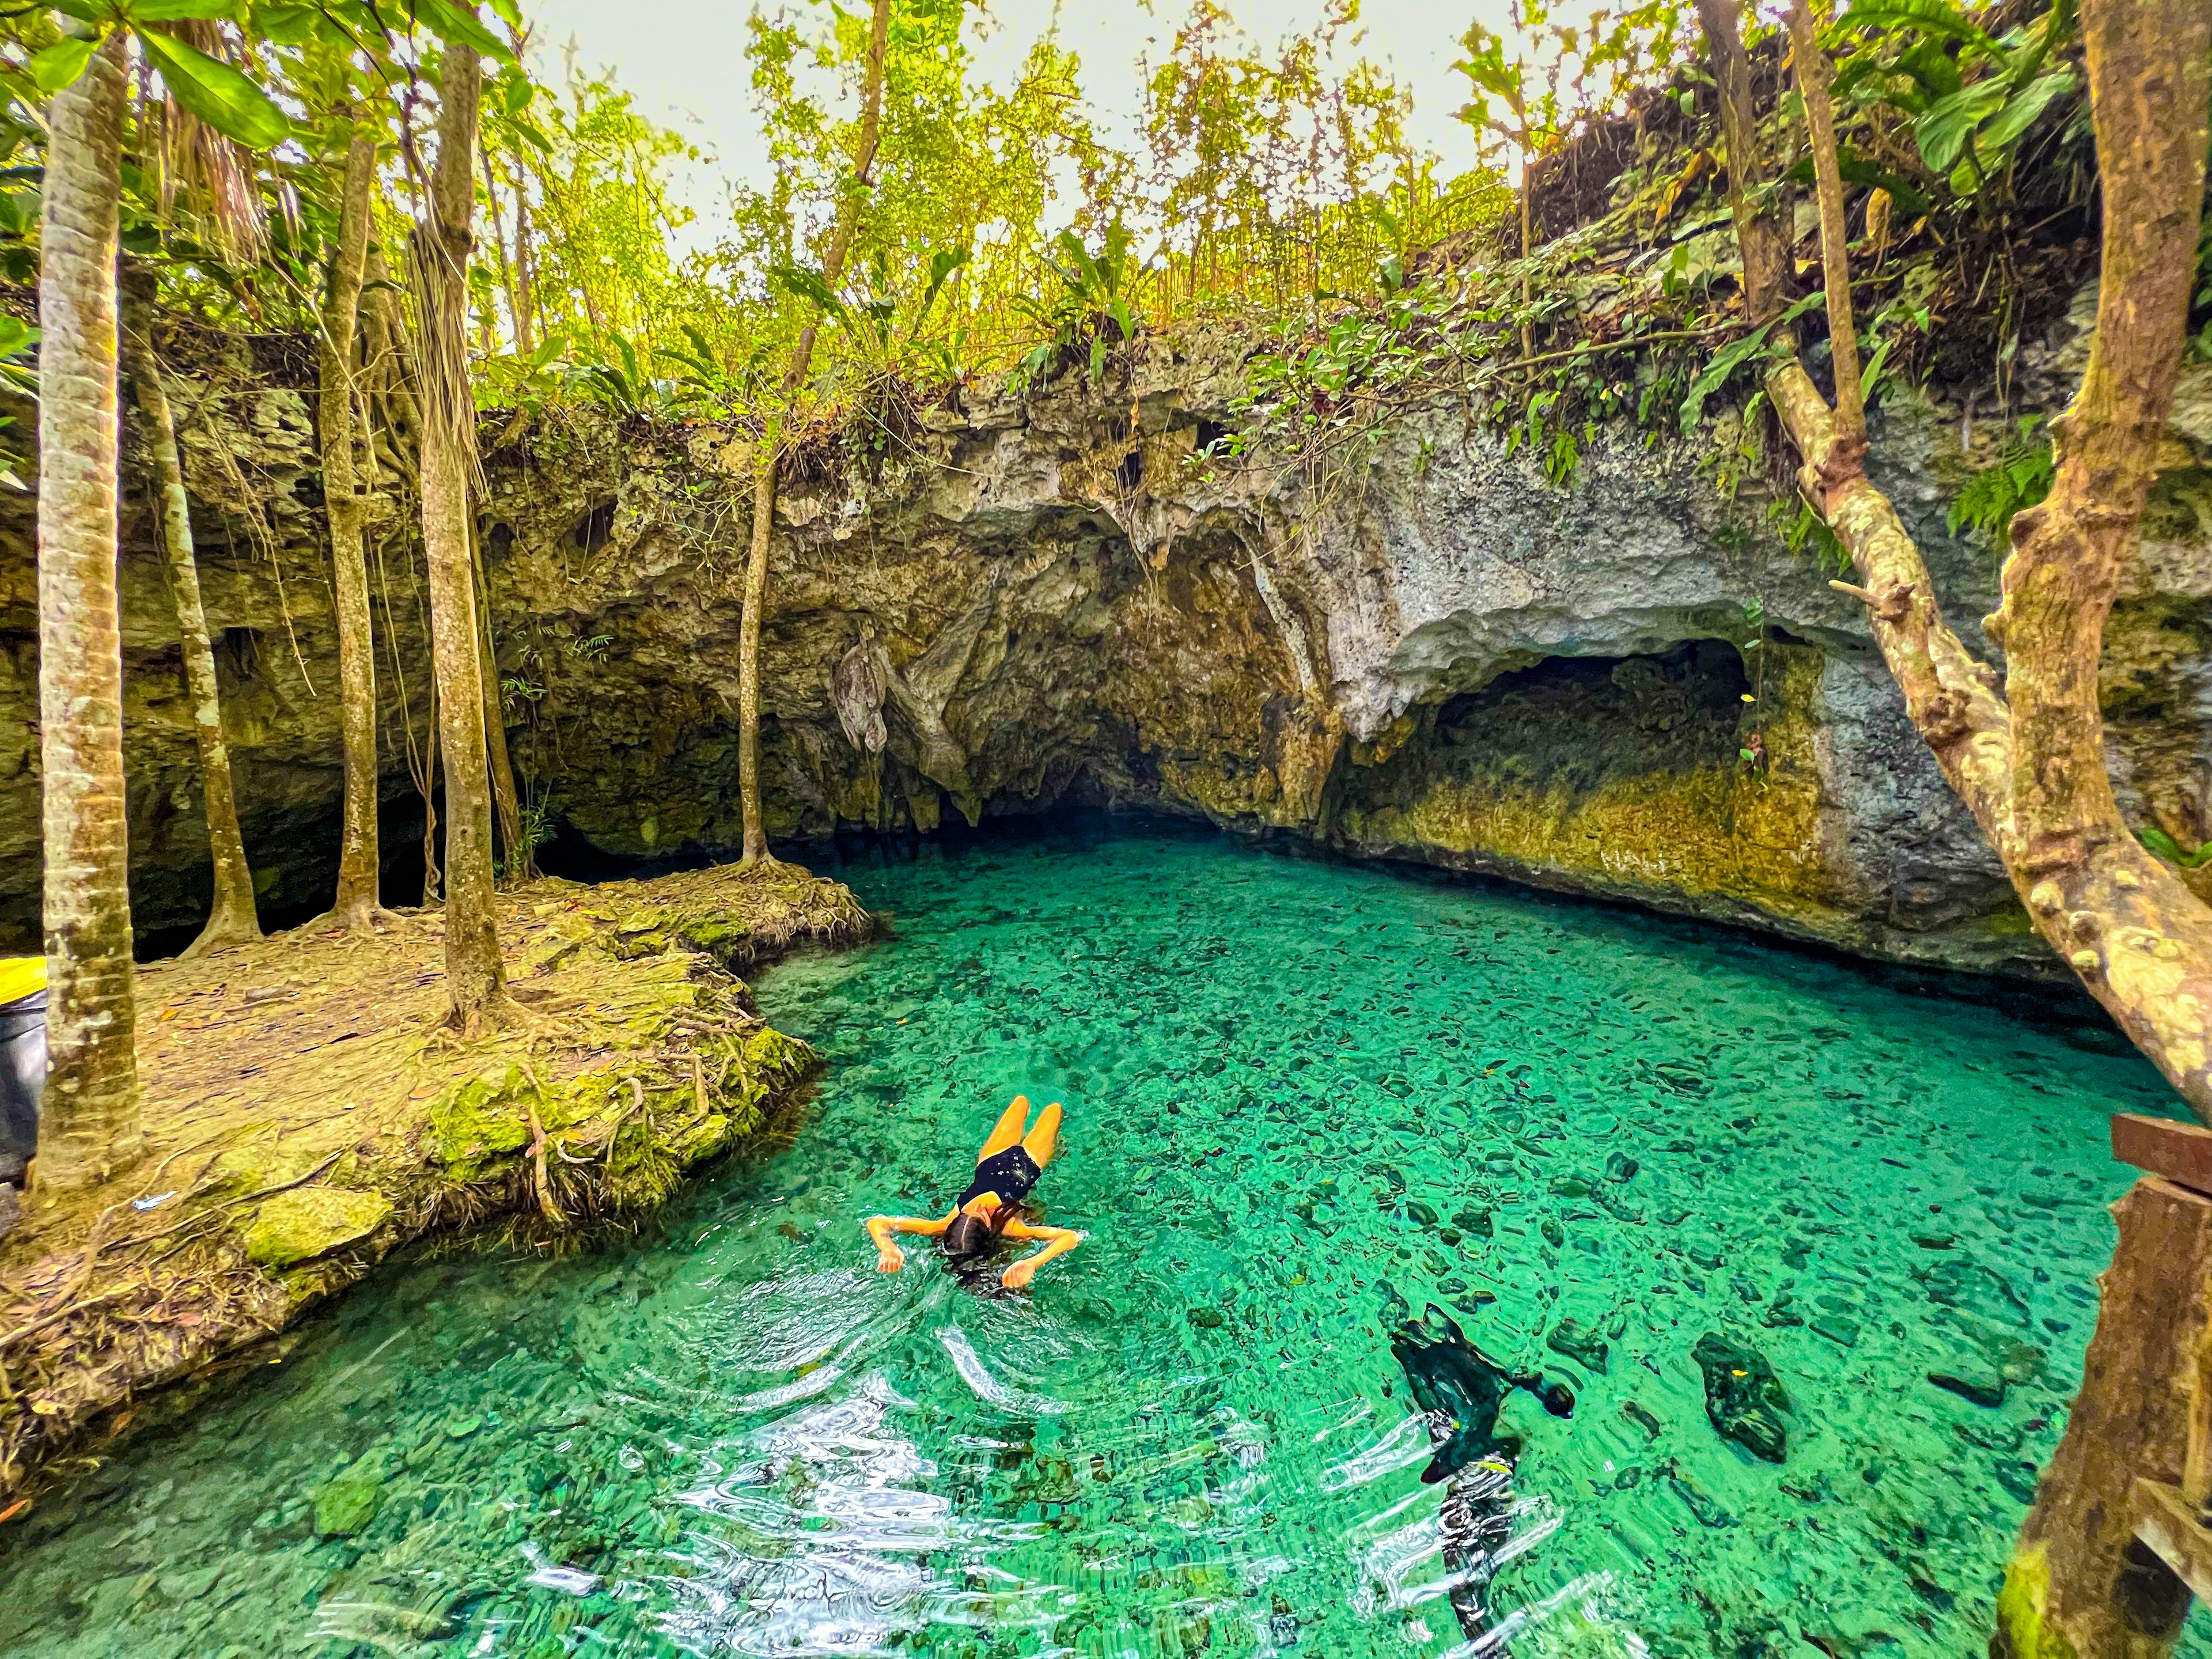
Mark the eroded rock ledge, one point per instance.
(307, 1114)
(1445, 659)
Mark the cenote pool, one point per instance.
(1299, 1094)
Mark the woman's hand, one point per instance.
(890, 1258)
(1018, 1274)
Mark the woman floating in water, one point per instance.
(1005, 1170)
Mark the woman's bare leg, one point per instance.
(1009, 1129)
(1039, 1142)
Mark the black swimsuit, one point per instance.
(1010, 1173)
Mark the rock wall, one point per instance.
(1444, 659)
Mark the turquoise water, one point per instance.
(1297, 1093)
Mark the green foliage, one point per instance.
(1759, 344)
(2020, 477)
(1089, 315)
(2166, 847)
(1973, 97)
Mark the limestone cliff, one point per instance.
(1446, 659)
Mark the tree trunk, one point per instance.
(1814, 73)
(499, 247)
(764, 463)
(474, 973)
(1766, 251)
(231, 919)
(518, 863)
(391, 369)
(360, 864)
(2030, 762)
(525, 272)
(90, 1118)
(2079, 1586)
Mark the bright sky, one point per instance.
(684, 60)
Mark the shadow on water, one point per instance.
(1305, 1099)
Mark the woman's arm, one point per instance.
(889, 1257)
(1058, 1241)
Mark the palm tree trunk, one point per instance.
(231, 919)
(360, 863)
(90, 1122)
(474, 973)
(764, 463)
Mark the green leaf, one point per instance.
(59, 64)
(1866, 175)
(802, 284)
(942, 264)
(1716, 373)
(1943, 130)
(2020, 112)
(216, 93)
(2169, 850)
(456, 26)
(288, 25)
(177, 11)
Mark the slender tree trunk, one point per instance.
(525, 272)
(474, 973)
(231, 921)
(90, 1118)
(2029, 760)
(346, 503)
(519, 866)
(764, 463)
(434, 881)
(1814, 73)
(392, 367)
(499, 247)
(1760, 239)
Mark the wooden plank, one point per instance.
(2181, 1152)
(2171, 1526)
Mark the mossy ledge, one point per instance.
(308, 1113)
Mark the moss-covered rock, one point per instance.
(476, 1122)
(312, 1221)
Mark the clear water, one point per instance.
(1284, 1080)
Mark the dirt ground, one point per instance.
(306, 1113)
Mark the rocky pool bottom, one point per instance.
(1303, 1098)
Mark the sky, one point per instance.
(684, 60)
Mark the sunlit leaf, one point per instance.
(177, 11)
(456, 24)
(216, 93)
(59, 64)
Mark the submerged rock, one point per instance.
(346, 1505)
(1982, 1384)
(1742, 1396)
(1709, 1510)
(1969, 1287)
(1585, 1346)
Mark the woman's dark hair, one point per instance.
(971, 1237)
